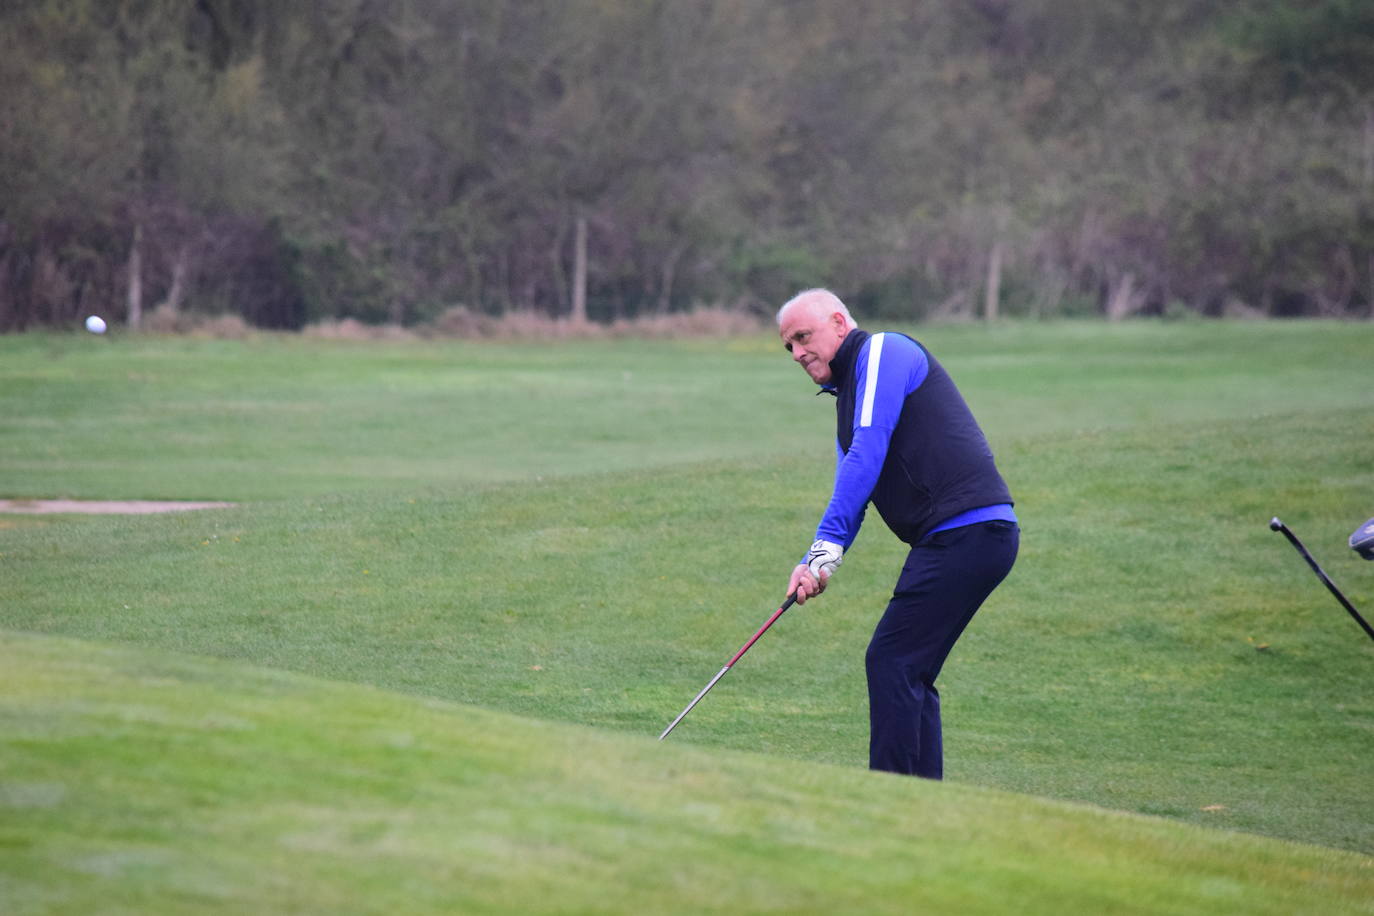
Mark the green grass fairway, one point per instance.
(137, 781)
(467, 584)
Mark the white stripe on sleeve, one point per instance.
(875, 355)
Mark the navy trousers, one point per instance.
(946, 578)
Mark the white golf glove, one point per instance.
(824, 556)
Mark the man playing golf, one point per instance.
(907, 443)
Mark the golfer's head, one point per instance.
(812, 325)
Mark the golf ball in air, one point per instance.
(95, 324)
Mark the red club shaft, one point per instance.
(791, 599)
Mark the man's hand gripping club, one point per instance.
(812, 574)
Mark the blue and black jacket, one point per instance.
(907, 442)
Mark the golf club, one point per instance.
(1276, 525)
(791, 599)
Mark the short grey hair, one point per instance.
(823, 297)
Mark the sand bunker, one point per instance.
(99, 506)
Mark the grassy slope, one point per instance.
(384, 545)
(138, 781)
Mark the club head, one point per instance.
(1275, 524)
(1362, 540)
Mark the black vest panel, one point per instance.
(938, 464)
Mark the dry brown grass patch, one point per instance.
(462, 322)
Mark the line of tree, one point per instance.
(300, 160)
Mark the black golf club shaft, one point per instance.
(1276, 525)
(791, 600)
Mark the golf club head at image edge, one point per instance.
(1276, 525)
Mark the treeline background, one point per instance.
(393, 160)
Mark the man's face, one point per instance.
(812, 336)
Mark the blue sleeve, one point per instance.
(888, 368)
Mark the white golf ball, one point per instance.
(95, 324)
